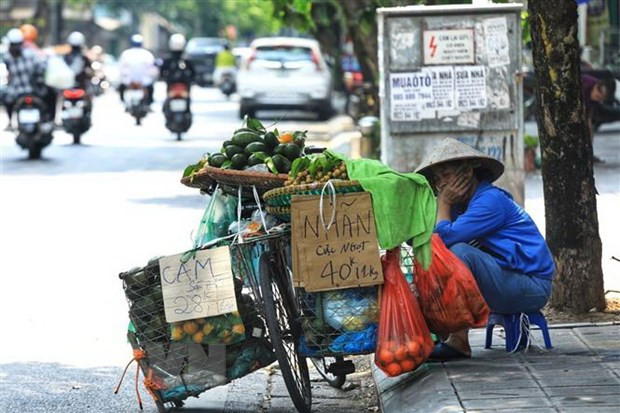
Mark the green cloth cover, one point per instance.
(404, 205)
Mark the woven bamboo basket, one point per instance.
(230, 180)
(200, 180)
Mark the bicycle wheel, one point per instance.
(322, 364)
(282, 317)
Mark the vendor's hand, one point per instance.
(454, 191)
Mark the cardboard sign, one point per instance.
(345, 255)
(201, 287)
(448, 47)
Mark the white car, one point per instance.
(285, 73)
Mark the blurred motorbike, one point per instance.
(98, 81)
(33, 125)
(607, 111)
(76, 113)
(136, 101)
(361, 101)
(177, 109)
(227, 83)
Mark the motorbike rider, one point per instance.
(26, 71)
(175, 68)
(224, 63)
(137, 65)
(78, 62)
(30, 37)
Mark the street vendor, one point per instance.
(487, 230)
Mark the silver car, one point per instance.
(285, 73)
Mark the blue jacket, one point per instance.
(503, 229)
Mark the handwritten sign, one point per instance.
(345, 255)
(447, 47)
(201, 287)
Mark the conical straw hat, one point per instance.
(451, 150)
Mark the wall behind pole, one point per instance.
(494, 127)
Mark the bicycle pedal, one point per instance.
(341, 368)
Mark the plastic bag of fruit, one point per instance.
(448, 294)
(403, 341)
(222, 329)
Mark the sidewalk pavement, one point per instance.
(580, 374)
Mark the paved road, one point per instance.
(75, 219)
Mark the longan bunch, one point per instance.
(304, 177)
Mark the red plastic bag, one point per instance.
(403, 341)
(449, 296)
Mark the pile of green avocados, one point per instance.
(253, 145)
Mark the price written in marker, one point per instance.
(345, 255)
(201, 287)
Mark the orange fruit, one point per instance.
(407, 365)
(201, 321)
(190, 327)
(392, 346)
(238, 329)
(393, 369)
(207, 329)
(413, 348)
(401, 353)
(386, 356)
(198, 337)
(177, 333)
(286, 137)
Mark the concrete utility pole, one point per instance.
(56, 22)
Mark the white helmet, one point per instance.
(76, 39)
(176, 42)
(15, 36)
(136, 40)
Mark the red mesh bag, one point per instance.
(403, 341)
(449, 296)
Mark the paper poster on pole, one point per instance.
(448, 47)
(470, 87)
(201, 287)
(409, 93)
(442, 78)
(496, 39)
(346, 254)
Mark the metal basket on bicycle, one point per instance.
(184, 359)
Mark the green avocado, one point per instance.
(292, 151)
(279, 149)
(239, 161)
(226, 143)
(217, 159)
(244, 138)
(232, 150)
(255, 147)
(271, 140)
(282, 164)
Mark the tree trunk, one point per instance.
(568, 178)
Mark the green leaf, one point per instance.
(256, 125)
(260, 156)
(275, 132)
(299, 164)
(189, 170)
(226, 165)
(271, 165)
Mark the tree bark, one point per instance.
(568, 179)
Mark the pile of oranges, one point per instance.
(397, 357)
(224, 329)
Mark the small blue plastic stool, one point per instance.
(512, 326)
